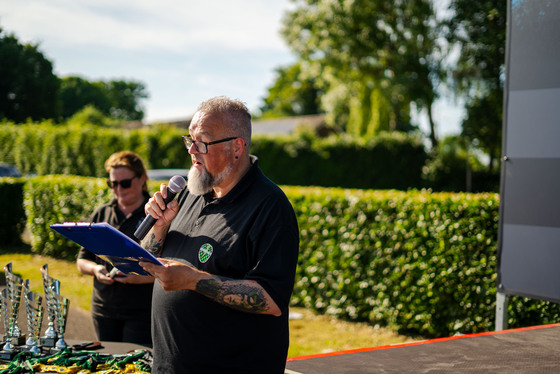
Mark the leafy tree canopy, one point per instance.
(29, 90)
(292, 94)
(478, 28)
(28, 87)
(77, 93)
(117, 99)
(371, 58)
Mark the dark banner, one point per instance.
(529, 243)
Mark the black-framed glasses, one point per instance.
(200, 146)
(125, 183)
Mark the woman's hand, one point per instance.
(132, 278)
(102, 275)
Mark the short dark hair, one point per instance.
(129, 160)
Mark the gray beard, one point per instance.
(201, 182)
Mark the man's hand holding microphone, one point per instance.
(161, 209)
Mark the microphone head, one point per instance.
(177, 183)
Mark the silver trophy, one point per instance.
(14, 287)
(5, 311)
(8, 351)
(61, 316)
(10, 302)
(52, 288)
(57, 312)
(34, 313)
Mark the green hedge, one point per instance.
(417, 260)
(424, 263)
(392, 160)
(82, 150)
(57, 199)
(12, 215)
(388, 161)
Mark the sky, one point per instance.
(183, 51)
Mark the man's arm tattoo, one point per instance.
(236, 294)
(152, 245)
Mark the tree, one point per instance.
(76, 93)
(125, 97)
(479, 29)
(293, 94)
(483, 123)
(90, 115)
(30, 90)
(28, 87)
(372, 58)
(117, 99)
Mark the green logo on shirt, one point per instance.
(205, 252)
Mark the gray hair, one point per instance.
(234, 112)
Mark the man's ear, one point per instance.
(238, 145)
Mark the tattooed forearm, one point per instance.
(239, 295)
(152, 245)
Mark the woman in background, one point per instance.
(120, 304)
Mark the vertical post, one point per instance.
(468, 176)
(501, 311)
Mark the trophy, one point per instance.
(11, 298)
(5, 311)
(52, 288)
(61, 316)
(34, 313)
(57, 312)
(14, 286)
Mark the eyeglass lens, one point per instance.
(125, 183)
(200, 147)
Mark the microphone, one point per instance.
(176, 185)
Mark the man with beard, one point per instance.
(229, 246)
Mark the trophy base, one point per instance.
(8, 355)
(48, 342)
(19, 341)
(52, 350)
(33, 349)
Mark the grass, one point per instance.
(311, 334)
(73, 285)
(314, 334)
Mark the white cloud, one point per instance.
(171, 25)
(183, 51)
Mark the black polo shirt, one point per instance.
(251, 233)
(118, 300)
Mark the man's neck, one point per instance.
(228, 184)
(127, 209)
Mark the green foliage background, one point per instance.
(12, 215)
(421, 262)
(392, 160)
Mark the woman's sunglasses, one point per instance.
(125, 183)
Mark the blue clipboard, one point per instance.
(107, 243)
